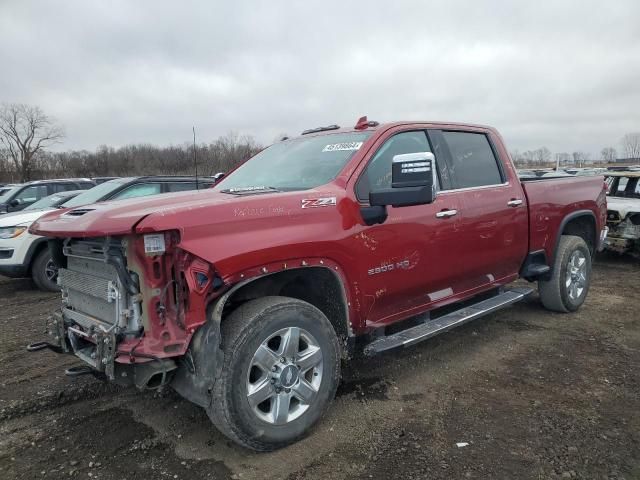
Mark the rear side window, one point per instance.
(62, 187)
(473, 163)
(140, 190)
(183, 186)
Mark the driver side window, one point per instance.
(377, 175)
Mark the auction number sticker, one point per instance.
(154, 243)
(336, 147)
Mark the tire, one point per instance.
(568, 286)
(42, 272)
(250, 336)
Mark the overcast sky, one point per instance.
(561, 74)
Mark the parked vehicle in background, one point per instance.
(623, 212)
(246, 297)
(99, 180)
(21, 196)
(134, 187)
(23, 254)
(6, 187)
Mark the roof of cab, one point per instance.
(375, 126)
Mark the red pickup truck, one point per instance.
(246, 298)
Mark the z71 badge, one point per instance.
(319, 202)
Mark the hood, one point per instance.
(22, 217)
(623, 206)
(169, 211)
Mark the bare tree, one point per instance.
(631, 145)
(542, 155)
(608, 154)
(580, 158)
(24, 131)
(517, 158)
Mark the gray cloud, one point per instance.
(564, 74)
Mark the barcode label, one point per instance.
(154, 243)
(337, 147)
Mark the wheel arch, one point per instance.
(321, 286)
(581, 223)
(33, 251)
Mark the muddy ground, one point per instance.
(535, 395)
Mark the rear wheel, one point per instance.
(280, 373)
(44, 272)
(568, 286)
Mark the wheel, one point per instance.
(280, 373)
(44, 272)
(568, 286)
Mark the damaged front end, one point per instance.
(131, 307)
(624, 233)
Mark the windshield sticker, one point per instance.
(318, 202)
(336, 147)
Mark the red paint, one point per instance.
(435, 261)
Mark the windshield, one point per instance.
(298, 164)
(6, 195)
(95, 194)
(625, 187)
(51, 201)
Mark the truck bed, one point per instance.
(551, 200)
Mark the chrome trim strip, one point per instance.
(467, 189)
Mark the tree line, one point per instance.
(540, 157)
(26, 132)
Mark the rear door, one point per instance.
(493, 213)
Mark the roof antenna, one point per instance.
(195, 158)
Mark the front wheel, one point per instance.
(44, 272)
(568, 286)
(280, 373)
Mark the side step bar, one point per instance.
(429, 329)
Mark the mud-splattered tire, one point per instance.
(280, 373)
(568, 286)
(44, 272)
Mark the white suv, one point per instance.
(23, 254)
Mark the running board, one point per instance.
(431, 328)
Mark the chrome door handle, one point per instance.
(514, 202)
(446, 213)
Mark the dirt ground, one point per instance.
(535, 395)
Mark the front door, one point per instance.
(412, 259)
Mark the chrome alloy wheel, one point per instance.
(576, 278)
(284, 375)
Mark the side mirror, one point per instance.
(14, 203)
(412, 182)
(218, 176)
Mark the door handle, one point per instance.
(514, 202)
(446, 213)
